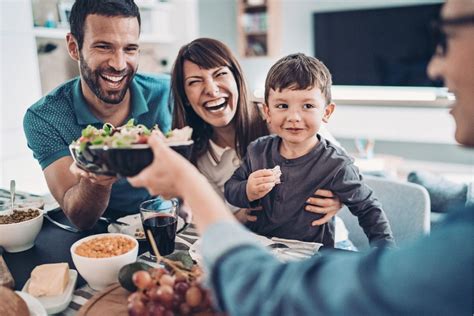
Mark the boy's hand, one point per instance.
(244, 214)
(259, 183)
(323, 202)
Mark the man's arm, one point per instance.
(380, 283)
(82, 197)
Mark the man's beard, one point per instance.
(92, 79)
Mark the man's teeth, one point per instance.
(113, 78)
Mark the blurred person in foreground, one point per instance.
(432, 275)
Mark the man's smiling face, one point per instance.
(109, 56)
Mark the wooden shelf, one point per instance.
(262, 33)
(258, 29)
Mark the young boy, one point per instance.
(297, 100)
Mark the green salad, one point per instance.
(127, 135)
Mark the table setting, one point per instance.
(57, 237)
(127, 262)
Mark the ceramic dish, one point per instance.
(34, 306)
(58, 303)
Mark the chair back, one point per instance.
(407, 206)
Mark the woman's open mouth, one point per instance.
(216, 105)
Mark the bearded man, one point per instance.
(104, 40)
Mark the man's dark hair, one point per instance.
(110, 8)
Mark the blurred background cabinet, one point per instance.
(258, 28)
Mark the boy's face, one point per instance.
(296, 115)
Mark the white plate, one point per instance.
(58, 303)
(34, 306)
(291, 250)
(135, 228)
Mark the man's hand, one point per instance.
(259, 183)
(243, 215)
(101, 180)
(323, 202)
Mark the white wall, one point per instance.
(20, 87)
(414, 124)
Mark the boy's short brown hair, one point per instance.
(299, 72)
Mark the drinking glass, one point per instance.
(160, 216)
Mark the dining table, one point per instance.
(53, 243)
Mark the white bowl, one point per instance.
(101, 272)
(21, 236)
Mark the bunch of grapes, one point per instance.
(163, 293)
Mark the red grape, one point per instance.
(136, 308)
(142, 279)
(156, 309)
(167, 279)
(181, 287)
(193, 296)
(184, 309)
(162, 293)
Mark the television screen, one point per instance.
(380, 47)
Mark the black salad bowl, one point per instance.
(124, 162)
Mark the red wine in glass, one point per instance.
(163, 229)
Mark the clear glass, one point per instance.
(160, 216)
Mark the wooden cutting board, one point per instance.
(110, 301)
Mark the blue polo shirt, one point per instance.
(56, 120)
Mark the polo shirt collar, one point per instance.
(84, 114)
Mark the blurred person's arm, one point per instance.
(430, 276)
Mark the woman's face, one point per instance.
(212, 93)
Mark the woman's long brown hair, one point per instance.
(209, 53)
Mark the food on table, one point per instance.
(105, 247)
(11, 304)
(277, 173)
(161, 292)
(126, 274)
(49, 279)
(139, 233)
(19, 216)
(127, 135)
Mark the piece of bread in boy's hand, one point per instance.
(277, 173)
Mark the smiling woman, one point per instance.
(210, 96)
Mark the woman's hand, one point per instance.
(244, 215)
(323, 202)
